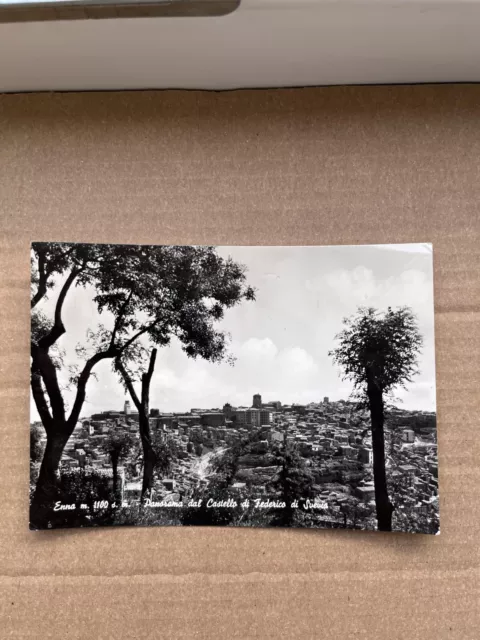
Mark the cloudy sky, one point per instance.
(280, 341)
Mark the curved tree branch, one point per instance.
(42, 281)
(45, 270)
(58, 328)
(146, 379)
(119, 318)
(151, 366)
(39, 398)
(128, 383)
(42, 365)
(82, 385)
(137, 335)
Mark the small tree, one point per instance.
(227, 464)
(117, 445)
(379, 352)
(84, 487)
(356, 514)
(165, 450)
(293, 482)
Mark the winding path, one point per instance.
(202, 466)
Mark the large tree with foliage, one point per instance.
(378, 352)
(150, 294)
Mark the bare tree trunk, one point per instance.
(383, 505)
(143, 407)
(47, 489)
(149, 457)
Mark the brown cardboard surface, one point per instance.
(304, 166)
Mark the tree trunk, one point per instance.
(48, 487)
(44, 383)
(143, 407)
(383, 505)
(114, 459)
(149, 457)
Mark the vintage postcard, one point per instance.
(233, 386)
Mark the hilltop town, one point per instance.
(333, 438)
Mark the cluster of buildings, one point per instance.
(333, 439)
(229, 417)
(412, 464)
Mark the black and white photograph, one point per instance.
(239, 386)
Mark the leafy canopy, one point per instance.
(155, 291)
(118, 444)
(381, 348)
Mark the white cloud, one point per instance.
(290, 374)
(296, 362)
(358, 285)
(258, 349)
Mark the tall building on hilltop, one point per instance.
(257, 401)
(127, 407)
(228, 409)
